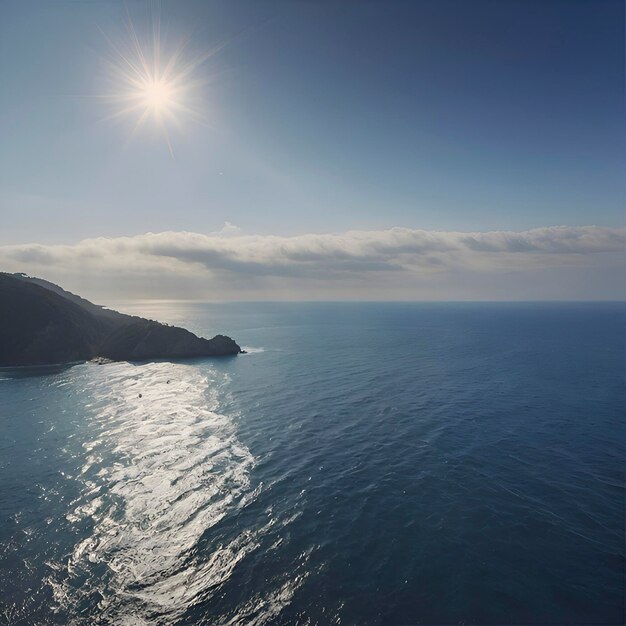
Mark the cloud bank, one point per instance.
(399, 263)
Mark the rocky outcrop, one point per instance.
(142, 340)
(40, 323)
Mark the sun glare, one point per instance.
(151, 83)
(158, 95)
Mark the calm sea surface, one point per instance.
(363, 464)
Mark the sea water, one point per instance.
(362, 464)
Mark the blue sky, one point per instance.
(321, 117)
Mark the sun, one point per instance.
(152, 96)
(158, 95)
(150, 82)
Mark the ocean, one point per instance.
(363, 463)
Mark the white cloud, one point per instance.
(228, 230)
(398, 262)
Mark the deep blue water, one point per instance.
(363, 464)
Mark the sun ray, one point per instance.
(150, 83)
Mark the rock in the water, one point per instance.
(101, 360)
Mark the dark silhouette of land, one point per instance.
(41, 323)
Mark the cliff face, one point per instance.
(40, 323)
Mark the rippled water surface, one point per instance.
(362, 464)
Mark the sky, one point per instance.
(432, 149)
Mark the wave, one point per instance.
(252, 350)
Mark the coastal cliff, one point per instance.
(41, 323)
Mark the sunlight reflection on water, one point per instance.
(162, 467)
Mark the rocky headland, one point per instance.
(41, 324)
